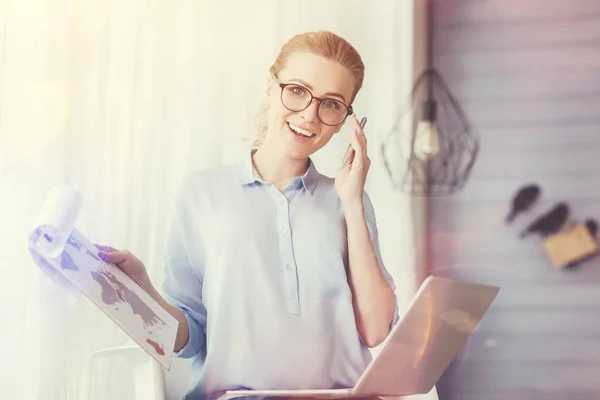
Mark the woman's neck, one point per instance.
(275, 167)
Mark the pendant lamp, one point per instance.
(432, 148)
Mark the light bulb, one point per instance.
(426, 145)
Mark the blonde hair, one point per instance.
(322, 43)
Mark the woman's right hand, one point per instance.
(127, 262)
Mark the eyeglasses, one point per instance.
(297, 98)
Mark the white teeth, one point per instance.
(300, 130)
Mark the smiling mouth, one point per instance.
(302, 133)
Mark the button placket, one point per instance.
(290, 277)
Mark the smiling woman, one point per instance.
(294, 275)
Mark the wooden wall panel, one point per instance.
(528, 76)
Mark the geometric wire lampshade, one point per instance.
(432, 148)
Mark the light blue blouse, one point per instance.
(260, 276)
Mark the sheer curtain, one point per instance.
(121, 99)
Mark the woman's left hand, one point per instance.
(350, 180)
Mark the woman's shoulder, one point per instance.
(217, 179)
(221, 173)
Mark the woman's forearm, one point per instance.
(183, 331)
(373, 297)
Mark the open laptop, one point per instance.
(441, 316)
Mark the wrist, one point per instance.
(353, 207)
(143, 281)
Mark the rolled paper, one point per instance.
(52, 230)
(56, 220)
(70, 259)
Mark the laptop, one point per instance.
(440, 318)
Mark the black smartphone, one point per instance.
(363, 122)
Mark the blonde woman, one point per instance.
(272, 269)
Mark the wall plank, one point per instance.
(522, 324)
(475, 13)
(557, 85)
(543, 376)
(532, 35)
(501, 64)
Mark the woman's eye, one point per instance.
(298, 90)
(331, 104)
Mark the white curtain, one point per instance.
(121, 98)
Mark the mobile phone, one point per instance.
(363, 122)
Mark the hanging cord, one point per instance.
(429, 44)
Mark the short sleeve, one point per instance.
(182, 285)
(372, 225)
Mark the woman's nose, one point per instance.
(311, 113)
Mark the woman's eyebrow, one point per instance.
(310, 87)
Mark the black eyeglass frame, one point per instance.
(282, 86)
